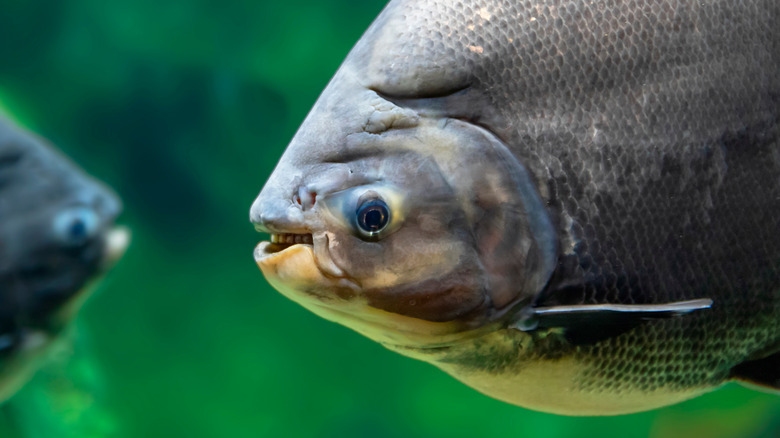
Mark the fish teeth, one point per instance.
(291, 238)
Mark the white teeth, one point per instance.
(290, 238)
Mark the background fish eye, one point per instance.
(75, 226)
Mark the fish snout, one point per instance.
(274, 214)
(107, 204)
(100, 198)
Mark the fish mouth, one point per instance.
(279, 243)
(116, 241)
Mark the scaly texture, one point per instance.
(651, 130)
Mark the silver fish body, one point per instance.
(510, 190)
(57, 235)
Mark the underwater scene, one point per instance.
(184, 109)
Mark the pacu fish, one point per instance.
(571, 206)
(57, 233)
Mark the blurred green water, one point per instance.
(184, 108)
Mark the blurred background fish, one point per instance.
(184, 107)
(56, 234)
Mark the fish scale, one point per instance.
(648, 129)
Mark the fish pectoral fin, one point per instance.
(590, 323)
(763, 373)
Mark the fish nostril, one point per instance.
(305, 198)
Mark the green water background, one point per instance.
(184, 108)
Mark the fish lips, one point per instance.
(294, 271)
(302, 268)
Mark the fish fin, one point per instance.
(762, 373)
(589, 323)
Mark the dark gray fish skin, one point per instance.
(56, 234)
(649, 131)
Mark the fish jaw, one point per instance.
(294, 266)
(296, 274)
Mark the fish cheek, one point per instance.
(433, 275)
(453, 296)
(397, 259)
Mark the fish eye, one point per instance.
(75, 226)
(373, 215)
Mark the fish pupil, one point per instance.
(78, 230)
(374, 219)
(373, 216)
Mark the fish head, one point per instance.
(410, 229)
(57, 234)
